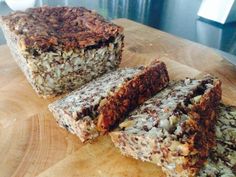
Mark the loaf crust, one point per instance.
(79, 111)
(175, 128)
(68, 28)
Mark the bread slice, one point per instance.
(131, 94)
(111, 97)
(59, 49)
(222, 158)
(175, 128)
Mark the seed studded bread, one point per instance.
(79, 111)
(175, 128)
(222, 158)
(61, 48)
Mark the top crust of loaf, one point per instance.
(68, 28)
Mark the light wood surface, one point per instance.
(31, 142)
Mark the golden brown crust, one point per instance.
(149, 82)
(65, 27)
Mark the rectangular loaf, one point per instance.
(175, 128)
(113, 95)
(222, 158)
(61, 48)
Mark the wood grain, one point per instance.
(18, 100)
(101, 159)
(32, 143)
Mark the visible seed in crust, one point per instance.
(127, 124)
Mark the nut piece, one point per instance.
(102, 103)
(196, 99)
(126, 124)
(22, 44)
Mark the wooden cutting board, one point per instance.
(31, 142)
